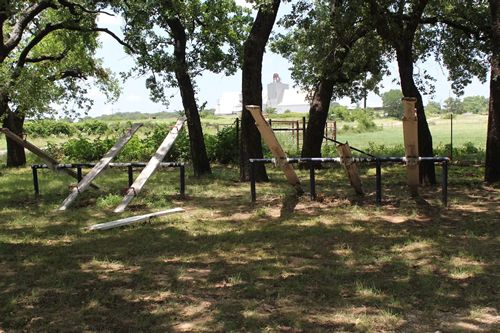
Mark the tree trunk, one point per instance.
(492, 170)
(199, 157)
(318, 114)
(251, 88)
(16, 156)
(405, 65)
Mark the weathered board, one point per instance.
(152, 165)
(410, 134)
(350, 167)
(51, 162)
(279, 154)
(133, 219)
(99, 167)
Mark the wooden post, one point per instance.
(51, 163)
(297, 129)
(133, 219)
(350, 167)
(410, 136)
(152, 165)
(275, 147)
(99, 167)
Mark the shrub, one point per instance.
(48, 127)
(223, 147)
(93, 127)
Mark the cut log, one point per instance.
(51, 162)
(99, 167)
(410, 134)
(279, 154)
(133, 219)
(350, 167)
(151, 167)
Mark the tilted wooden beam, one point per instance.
(51, 162)
(350, 167)
(132, 219)
(275, 147)
(410, 134)
(152, 165)
(99, 167)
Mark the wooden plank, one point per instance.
(152, 165)
(51, 162)
(410, 135)
(133, 219)
(350, 167)
(275, 147)
(99, 167)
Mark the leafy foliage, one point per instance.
(391, 102)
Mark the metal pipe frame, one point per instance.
(130, 172)
(312, 161)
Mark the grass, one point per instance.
(227, 265)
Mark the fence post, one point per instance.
(238, 131)
(378, 182)
(130, 172)
(252, 182)
(182, 176)
(445, 184)
(312, 181)
(34, 169)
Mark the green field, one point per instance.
(467, 128)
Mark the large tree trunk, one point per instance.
(492, 170)
(409, 89)
(199, 157)
(16, 156)
(318, 114)
(251, 88)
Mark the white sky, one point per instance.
(135, 96)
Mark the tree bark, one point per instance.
(16, 156)
(251, 88)
(404, 56)
(199, 157)
(492, 169)
(318, 114)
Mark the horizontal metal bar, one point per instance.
(354, 159)
(112, 165)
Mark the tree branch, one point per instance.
(474, 32)
(26, 17)
(57, 57)
(72, 7)
(73, 73)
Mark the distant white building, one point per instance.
(229, 103)
(278, 96)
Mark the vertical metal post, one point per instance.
(34, 169)
(237, 131)
(182, 175)
(130, 171)
(334, 130)
(79, 173)
(444, 184)
(252, 182)
(270, 123)
(451, 136)
(312, 180)
(297, 129)
(378, 182)
(303, 129)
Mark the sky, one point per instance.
(135, 96)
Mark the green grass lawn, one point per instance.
(465, 129)
(227, 265)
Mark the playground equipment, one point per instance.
(411, 159)
(130, 171)
(99, 167)
(151, 167)
(312, 162)
(275, 147)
